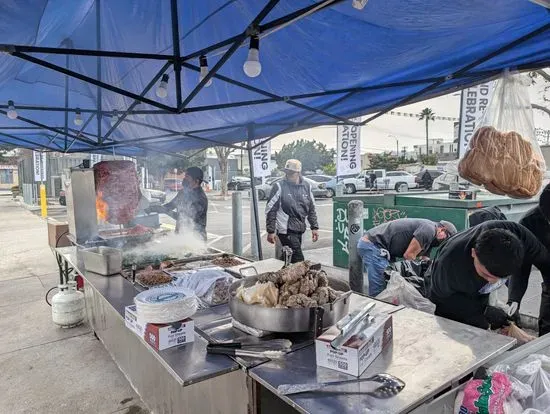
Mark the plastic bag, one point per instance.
(412, 271)
(487, 395)
(211, 285)
(400, 292)
(503, 154)
(531, 372)
(265, 294)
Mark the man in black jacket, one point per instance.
(479, 260)
(190, 205)
(537, 220)
(290, 203)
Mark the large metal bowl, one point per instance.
(282, 320)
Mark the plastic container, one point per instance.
(102, 260)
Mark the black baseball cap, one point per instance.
(195, 172)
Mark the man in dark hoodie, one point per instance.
(537, 220)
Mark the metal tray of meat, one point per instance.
(150, 286)
(281, 319)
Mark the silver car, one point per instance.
(318, 189)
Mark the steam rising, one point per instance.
(173, 245)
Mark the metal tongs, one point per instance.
(352, 324)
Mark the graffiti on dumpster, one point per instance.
(342, 235)
(383, 215)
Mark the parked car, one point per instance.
(444, 181)
(238, 183)
(154, 195)
(399, 181)
(319, 178)
(318, 189)
(62, 198)
(434, 173)
(352, 184)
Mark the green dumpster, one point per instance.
(380, 209)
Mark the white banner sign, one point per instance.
(94, 159)
(348, 155)
(261, 157)
(473, 103)
(39, 165)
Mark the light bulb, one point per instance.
(162, 89)
(77, 117)
(204, 71)
(12, 113)
(114, 118)
(252, 67)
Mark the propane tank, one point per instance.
(68, 306)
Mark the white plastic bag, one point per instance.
(531, 372)
(400, 292)
(211, 285)
(503, 154)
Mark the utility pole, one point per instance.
(397, 150)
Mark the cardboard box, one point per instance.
(357, 353)
(57, 233)
(160, 336)
(462, 194)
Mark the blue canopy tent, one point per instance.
(99, 63)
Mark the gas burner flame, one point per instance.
(102, 208)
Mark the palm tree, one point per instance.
(428, 115)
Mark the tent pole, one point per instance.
(266, 26)
(176, 48)
(252, 27)
(92, 81)
(461, 72)
(254, 194)
(149, 86)
(99, 71)
(68, 43)
(268, 94)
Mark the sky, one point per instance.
(382, 133)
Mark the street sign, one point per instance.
(261, 158)
(39, 166)
(473, 102)
(348, 154)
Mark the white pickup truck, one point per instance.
(385, 180)
(399, 181)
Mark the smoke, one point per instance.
(174, 245)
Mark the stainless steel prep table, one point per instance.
(428, 352)
(179, 379)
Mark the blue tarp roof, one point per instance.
(342, 54)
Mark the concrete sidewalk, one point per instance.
(47, 369)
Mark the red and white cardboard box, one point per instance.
(358, 352)
(160, 336)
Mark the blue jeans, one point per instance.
(374, 264)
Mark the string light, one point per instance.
(12, 113)
(77, 117)
(204, 70)
(252, 67)
(162, 89)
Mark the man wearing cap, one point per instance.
(190, 205)
(290, 203)
(406, 238)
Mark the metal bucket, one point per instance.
(279, 319)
